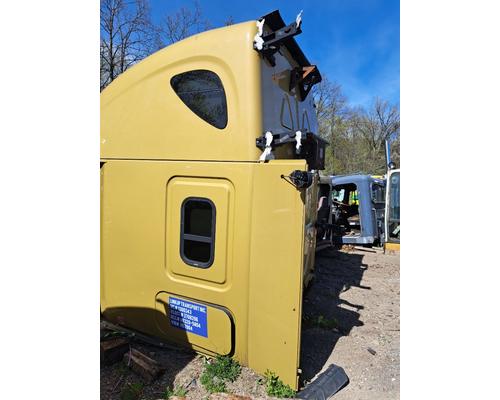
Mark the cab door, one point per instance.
(392, 207)
(377, 189)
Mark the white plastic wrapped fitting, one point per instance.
(298, 19)
(257, 40)
(267, 153)
(298, 140)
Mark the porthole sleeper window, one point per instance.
(198, 232)
(202, 91)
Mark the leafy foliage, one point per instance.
(179, 391)
(218, 371)
(275, 387)
(325, 323)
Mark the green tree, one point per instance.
(356, 135)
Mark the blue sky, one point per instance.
(353, 42)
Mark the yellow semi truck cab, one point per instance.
(209, 159)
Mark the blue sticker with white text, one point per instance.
(188, 316)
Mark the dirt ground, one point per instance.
(358, 290)
(350, 318)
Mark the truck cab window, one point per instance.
(202, 91)
(394, 207)
(378, 193)
(338, 195)
(197, 232)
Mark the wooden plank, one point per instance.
(141, 364)
(113, 350)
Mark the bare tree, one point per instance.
(396, 151)
(229, 21)
(330, 100)
(356, 135)
(333, 112)
(126, 36)
(185, 22)
(380, 123)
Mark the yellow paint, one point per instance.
(156, 154)
(144, 118)
(389, 246)
(311, 212)
(258, 265)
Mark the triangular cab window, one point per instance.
(202, 91)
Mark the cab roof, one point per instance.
(143, 117)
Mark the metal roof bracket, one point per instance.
(271, 42)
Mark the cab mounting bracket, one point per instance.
(273, 41)
(312, 147)
(305, 77)
(279, 138)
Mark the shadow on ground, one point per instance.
(326, 317)
(118, 382)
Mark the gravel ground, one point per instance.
(350, 318)
(357, 289)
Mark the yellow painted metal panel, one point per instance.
(276, 273)
(219, 326)
(157, 153)
(311, 213)
(262, 288)
(388, 246)
(145, 119)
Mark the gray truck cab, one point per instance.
(351, 210)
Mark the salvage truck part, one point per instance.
(393, 209)
(358, 203)
(209, 158)
(392, 203)
(350, 210)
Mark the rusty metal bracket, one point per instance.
(305, 77)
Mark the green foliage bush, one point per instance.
(325, 323)
(218, 371)
(275, 387)
(179, 391)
